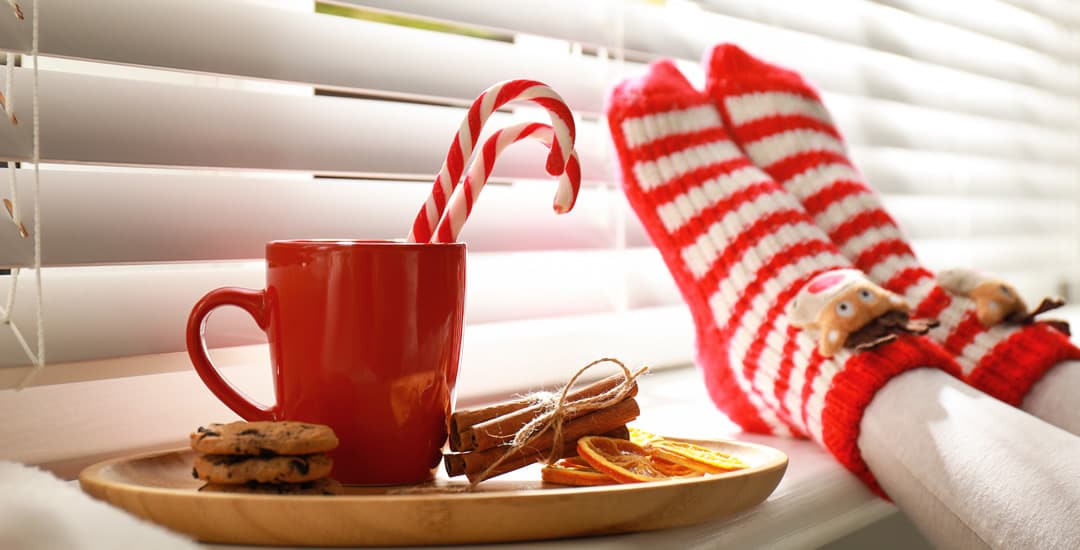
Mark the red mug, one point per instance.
(364, 337)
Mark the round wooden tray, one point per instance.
(514, 507)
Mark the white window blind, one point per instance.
(177, 137)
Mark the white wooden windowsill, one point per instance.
(817, 502)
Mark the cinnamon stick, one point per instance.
(598, 422)
(502, 429)
(622, 432)
(455, 462)
(488, 427)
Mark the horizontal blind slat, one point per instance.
(592, 23)
(164, 215)
(126, 122)
(307, 48)
(413, 62)
(659, 337)
(980, 217)
(146, 216)
(1065, 11)
(276, 209)
(914, 35)
(999, 253)
(920, 85)
(119, 121)
(685, 31)
(889, 124)
(1002, 20)
(907, 171)
(143, 309)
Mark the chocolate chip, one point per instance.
(194, 473)
(300, 465)
(249, 431)
(226, 460)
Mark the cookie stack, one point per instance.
(265, 457)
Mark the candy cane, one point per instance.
(464, 197)
(469, 133)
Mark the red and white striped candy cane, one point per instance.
(464, 197)
(469, 133)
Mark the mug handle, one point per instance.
(251, 301)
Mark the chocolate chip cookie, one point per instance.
(263, 439)
(234, 469)
(324, 486)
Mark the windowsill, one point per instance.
(816, 503)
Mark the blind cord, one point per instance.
(8, 99)
(619, 212)
(38, 359)
(37, 202)
(8, 103)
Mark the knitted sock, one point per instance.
(781, 124)
(741, 249)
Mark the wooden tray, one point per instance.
(514, 507)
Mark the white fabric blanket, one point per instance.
(40, 512)
(971, 471)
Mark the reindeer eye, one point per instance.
(866, 296)
(1005, 290)
(844, 309)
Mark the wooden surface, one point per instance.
(159, 487)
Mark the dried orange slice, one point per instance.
(672, 469)
(641, 437)
(624, 461)
(574, 471)
(694, 456)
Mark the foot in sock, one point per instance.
(779, 121)
(741, 249)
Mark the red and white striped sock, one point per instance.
(740, 249)
(779, 121)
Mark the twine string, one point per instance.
(557, 411)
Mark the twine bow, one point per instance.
(556, 411)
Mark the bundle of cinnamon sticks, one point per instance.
(481, 437)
